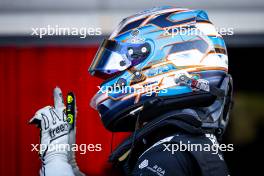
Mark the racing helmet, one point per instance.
(158, 60)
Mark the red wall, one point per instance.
(28, 76)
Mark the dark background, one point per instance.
(246, 127)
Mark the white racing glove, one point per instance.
(57, 135)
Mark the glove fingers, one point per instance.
(58, 99)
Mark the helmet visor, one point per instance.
(113, 57)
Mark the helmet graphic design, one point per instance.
(159, 60)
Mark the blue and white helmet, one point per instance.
(167, 58)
